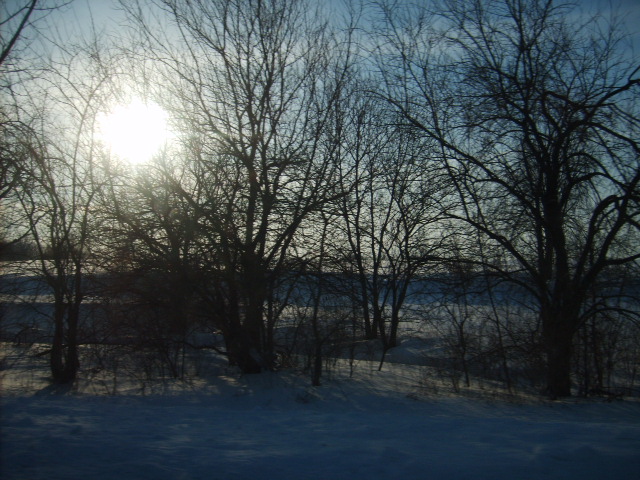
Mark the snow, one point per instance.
(374, 425)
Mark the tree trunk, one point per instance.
(64, 359)
(253, 288)
(393, 328)
(370, 331)
(240, 352)
(239, 348)
(56, 359)
(559, 349)
(317, 364)
(253, 329)
(72, 361)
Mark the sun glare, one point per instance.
(135, 131)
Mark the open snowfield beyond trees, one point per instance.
(392, 424)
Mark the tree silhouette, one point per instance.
(538, 124)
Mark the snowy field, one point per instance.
(376, 425)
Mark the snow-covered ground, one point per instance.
(375, 425)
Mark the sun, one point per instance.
(135, 131)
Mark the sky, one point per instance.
(78, 14)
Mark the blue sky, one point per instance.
(105, 14)
(75, 19)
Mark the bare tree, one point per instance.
(393, 201)
(253, 83)
(57, 190)
(151, 241)
(538, 124)
(20, 23)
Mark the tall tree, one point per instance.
(254, 82)
(57, 188)
(390, 208)
(537, 118)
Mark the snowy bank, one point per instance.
(274, 426)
